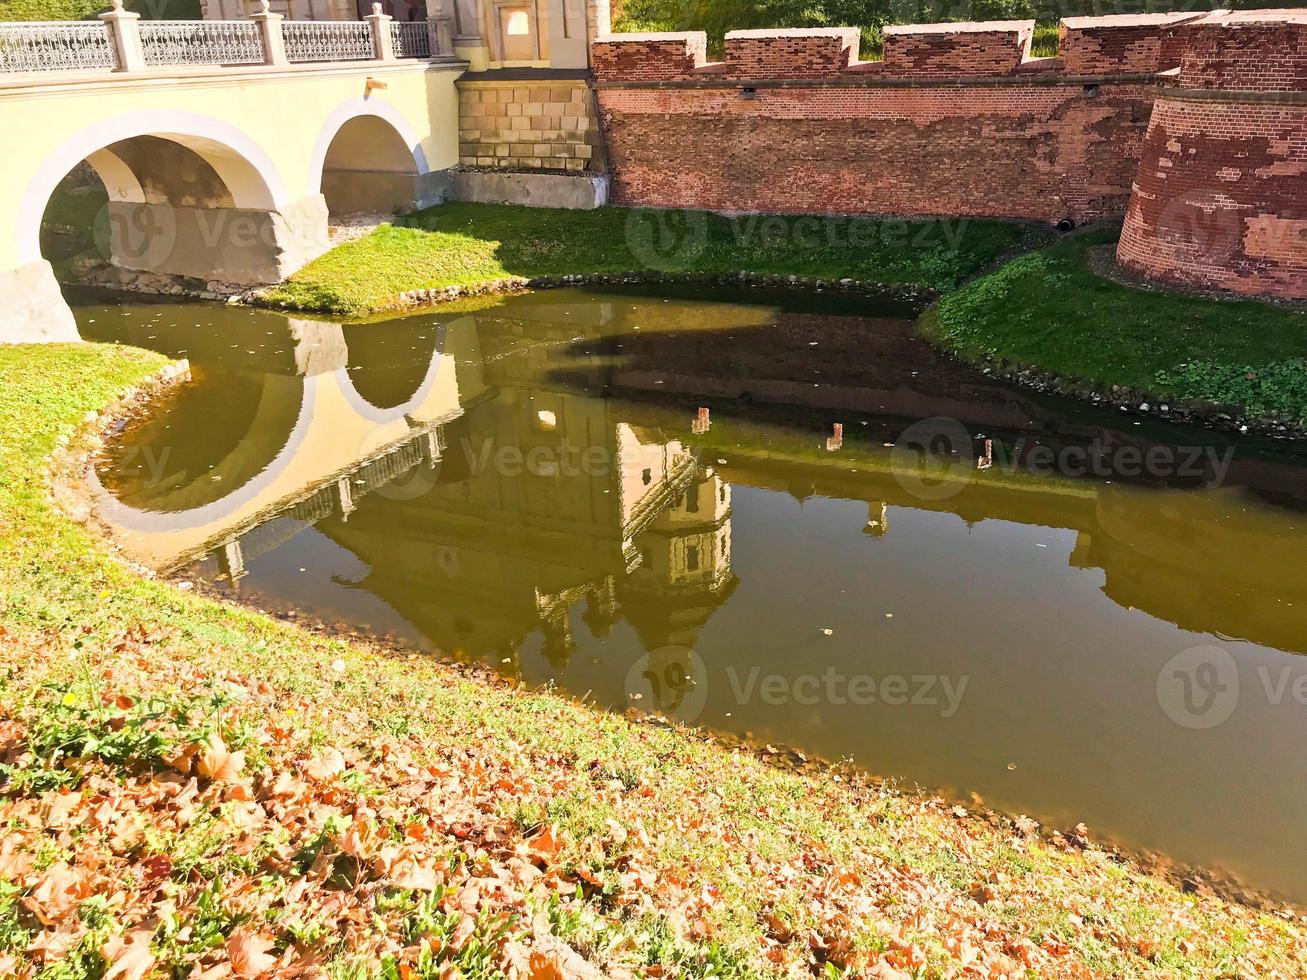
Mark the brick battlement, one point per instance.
(1089, 46)
(1251, 50)
(1220, 198)
(957, 50)
(812, 53)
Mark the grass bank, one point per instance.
(467, 244)
(188, 786)
(1049, 311)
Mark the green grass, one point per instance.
(764, 840)
(1048, 311)
(466, 244)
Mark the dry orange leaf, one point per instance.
(219, 763)
(130, 959)
(248, 952)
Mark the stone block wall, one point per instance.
(548, 124)
(1220, 200)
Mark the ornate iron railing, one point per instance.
(56, 46)
(201, 42)
(411, 39)
(328, 40)
(122, 42)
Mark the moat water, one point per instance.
(775, 516)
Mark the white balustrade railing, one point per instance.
(411, 39)
(201, 42)
(328, 40)
(120, 41)
(57, 46)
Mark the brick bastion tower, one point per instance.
(1220, 200)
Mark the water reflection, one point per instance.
(646, 498)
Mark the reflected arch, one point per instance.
(274, 434)
(393, 390)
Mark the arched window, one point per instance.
(517, 29)
(518, 24)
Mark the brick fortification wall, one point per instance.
(1221, 196)
(957, 119)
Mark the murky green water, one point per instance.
(1075, 613)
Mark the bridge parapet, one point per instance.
(122, 42)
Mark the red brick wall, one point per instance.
(1013, 150)
(1220, 199)
(1241, 52)
(649, 57)
(956, 120)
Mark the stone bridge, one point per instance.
(223, 145)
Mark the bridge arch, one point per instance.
(367, 157)
(243, 166)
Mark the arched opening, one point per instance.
(146, 210)
(369, 169)
(156, 196)
(250, 421)
(183, 196)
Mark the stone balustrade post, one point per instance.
(441, 32)
(124, 26)
(274, 42)
(383, 45)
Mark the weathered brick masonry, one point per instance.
(1221, 196)
(1197, 123)
(957, 119)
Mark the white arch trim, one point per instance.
(352, 109)
(244, 167)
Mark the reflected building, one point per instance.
(494, 498)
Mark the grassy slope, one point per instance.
(666, 848)
(1048, 311)
(464, 244)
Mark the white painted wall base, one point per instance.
(581, 192)
(32, 309)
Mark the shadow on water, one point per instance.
(774, 515)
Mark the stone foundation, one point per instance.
(231, 245)
(538, 190)
(34, 308)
